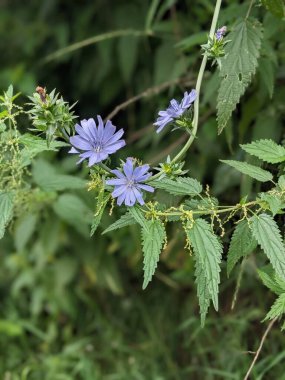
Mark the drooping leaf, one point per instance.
(277, 309)
(24, 229)
(124, 221)
(101, 203)
(180, 186)
(6, 210)
(48, 179)
(74, 211)
(242, 243)
(250, 170)
(153, 237)
(271, 280)
(266, 150)
(238, 67)
(276, 7)
(208, 252)
(267, 233)
(266, 69)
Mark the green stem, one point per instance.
(105, 167)
(198, 87)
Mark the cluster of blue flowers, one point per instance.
(95, 142)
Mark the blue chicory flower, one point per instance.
(220, 33)
(175, 110)
(95, 143)
(129, 184)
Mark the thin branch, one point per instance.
(249, 9)
(269, 327)
(149, 92)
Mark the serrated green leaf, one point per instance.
(101, 203)
(6, 210)
(272, 202)
(153, 237)
(242, 243)
(277, 309)
(266, 150)
(138, 215)
(203, 294)
(276, 7)
(180, 186)
(270, 280)
(237, 67)
(266, 232)
(208, 253)
(34, 145)
(124, 221)
(250, 170)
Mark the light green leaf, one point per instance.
(266, 69)
(276, 7)
(208, 253)
(251, 170)
(101, 203)
(270, 280)
(266, 150)
(238, 67)
(272, 202)
(138, 216)
(124, 221)
(47, 179)
(24, 229)
(277, 309)
(153, 237)
(242, 243)
(6, 210)
(74, 211)
(266, 232)
(180, 186)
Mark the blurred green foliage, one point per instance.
(72, 307)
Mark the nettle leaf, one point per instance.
(153, 237)
(208, 253)
(138, 215)
(267, 233)
(101, 204)
(271, 280)
(238, 67)
(277, 309)
(33, 145)
(276, 7)
(267, 69)
(203, 294)
(272, 202)
(180, 186)
(124, 221)
(250, 170)
(266, 150)
(242, 243)
(6, 210)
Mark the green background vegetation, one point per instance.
(72, 307)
